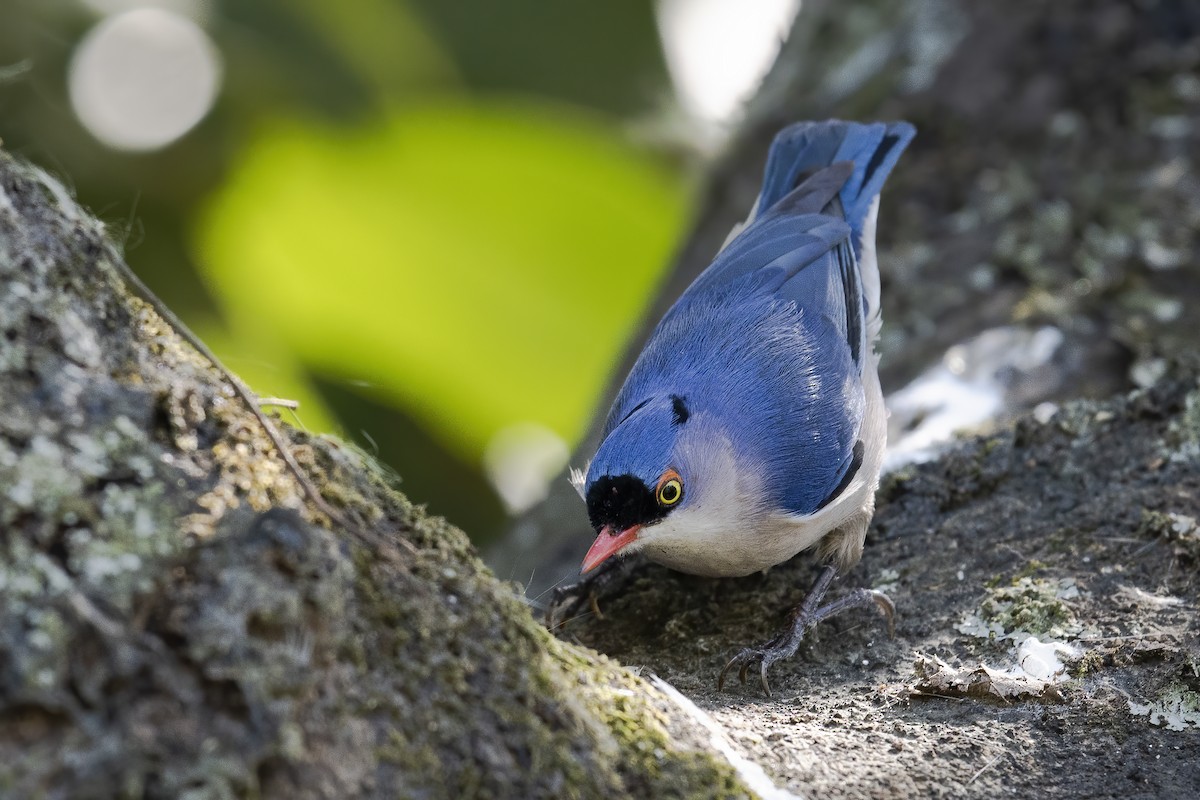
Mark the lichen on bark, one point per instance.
(176, 622)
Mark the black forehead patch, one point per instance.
(679, 409)
(622, 501)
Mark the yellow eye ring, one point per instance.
(670, 489)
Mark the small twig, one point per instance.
(984, 768)
(252, 404)
(281, 402)
(923, 693)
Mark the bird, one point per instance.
(752, 425)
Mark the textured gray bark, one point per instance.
(177, 621)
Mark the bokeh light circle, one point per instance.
(718, 51)
(141, 79)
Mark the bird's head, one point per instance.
(638, 478)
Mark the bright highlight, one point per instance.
(141, 79)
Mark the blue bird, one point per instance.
(752, 425)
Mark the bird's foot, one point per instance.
(809, 614)
(782, 646)
(576, 599)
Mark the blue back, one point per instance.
(770, 339)
(806, 146)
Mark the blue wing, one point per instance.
(820, 181)
(772, 336)
(806, 147)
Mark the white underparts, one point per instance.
(717, 529)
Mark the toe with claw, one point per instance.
(571, 601)
(807, 615)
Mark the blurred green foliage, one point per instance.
(478, 266)
(422, 220)
(605, 55)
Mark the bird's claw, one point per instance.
(808, 615)
(766, 655)
(888, 609)
(567, 601)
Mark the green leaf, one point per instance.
(478, 266)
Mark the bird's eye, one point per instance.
(670, 488)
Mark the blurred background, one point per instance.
(434, 224)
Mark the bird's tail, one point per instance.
(801, 149)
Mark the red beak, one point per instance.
(607, 544)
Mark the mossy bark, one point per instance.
(176, 621)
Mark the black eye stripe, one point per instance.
(622, 501)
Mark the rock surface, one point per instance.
(1069, 547)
